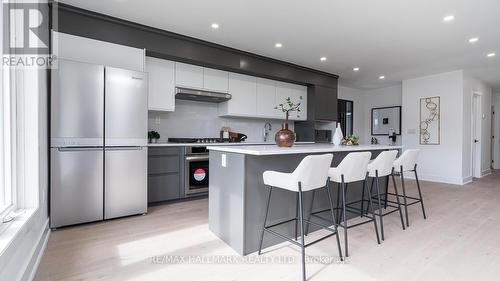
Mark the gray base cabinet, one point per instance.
(165, 174)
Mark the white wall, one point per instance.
(495, 98)
(473, 85)
(364, 101)
(442, 162)
(357, 97)
(200, 119)
(389, 96)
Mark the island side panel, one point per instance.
(226, 198)
(283, 202)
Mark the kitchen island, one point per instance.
(237, 194)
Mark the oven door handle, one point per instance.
(196, 158)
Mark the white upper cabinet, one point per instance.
(161, 84)
(215, 80)
(82, 49)
(294, 92)
(266, 98)
(187, 75)
(243, 89)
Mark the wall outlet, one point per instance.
(223, 161)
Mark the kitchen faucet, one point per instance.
(267, 129)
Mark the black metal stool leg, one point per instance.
(311, 209)
(371, 191)
(404, 196)
(343, 185)
(302, 242)
(363, 200)
(397, 199)
(372, 212)
(296, 215)
(379, 207)
(333, 218)
(265, 219)
(420, 192)
(339, 187)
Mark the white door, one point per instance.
(476, 135)
(495, 141)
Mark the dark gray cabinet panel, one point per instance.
(165, 173)
(163, 164)
(324, 103)
(163, 187)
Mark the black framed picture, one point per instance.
(384, 119)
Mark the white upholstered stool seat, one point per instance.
(352, 168)
(382, 166)
(310, 174)
(407, 162)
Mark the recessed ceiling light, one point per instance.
(449, 18)
(278, 45)
(382, 77)
(355, 69)
(491, 55)
(473, 40)
(215, 25)
(322, 59)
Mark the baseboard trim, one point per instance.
(486, 172)
(29, 273)
(434, 178)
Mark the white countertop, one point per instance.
(250, 143)
(297, 149)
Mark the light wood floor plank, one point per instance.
(460, 240)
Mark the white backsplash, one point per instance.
(200, 119)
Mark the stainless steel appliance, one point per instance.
(98, 143)
(201, 95)
(196, 170)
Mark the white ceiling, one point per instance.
(400, 39)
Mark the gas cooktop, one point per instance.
(196, 140)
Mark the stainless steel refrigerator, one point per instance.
(98, 143)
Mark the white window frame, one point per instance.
(7, 131)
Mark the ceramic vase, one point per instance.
(285, 137)
(337, 136)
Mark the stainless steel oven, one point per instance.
(196, 170)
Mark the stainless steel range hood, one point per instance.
(200, 95)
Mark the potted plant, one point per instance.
(153, 136)
(285, 137)
(351, 140)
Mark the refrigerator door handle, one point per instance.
(69, 149)
(121, 148)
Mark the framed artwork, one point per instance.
(386, 118)
(430, 121)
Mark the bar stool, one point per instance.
(310, 174)
(407, 162)
(382, 166)
(353, 168)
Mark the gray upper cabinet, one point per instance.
(324, 103)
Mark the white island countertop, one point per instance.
(298, 149)
(249, 143)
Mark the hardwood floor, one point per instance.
(460, 240)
